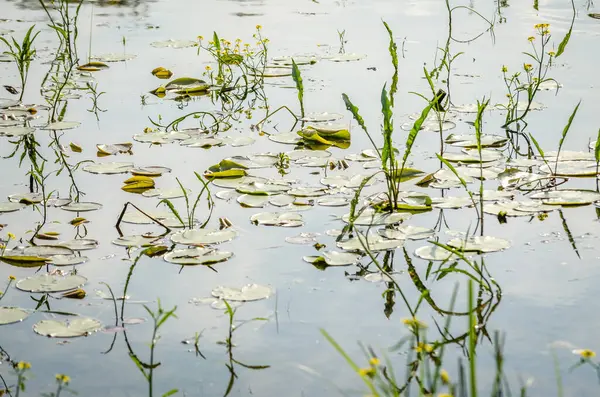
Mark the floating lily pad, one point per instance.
(16, 131)
(298, 59)
(307, 192)
(9, 206)
(70, 328)
(451, 202)
(81, 244)
(107, 150)
(8, 103)
(276, 71)
(202, 142)
(187, 85)
(151, 171)
(252, 200)
(333, 258)
(108, 168)
(470, 141)
(197, 256)
(479, 244)
(283, 219)
(67, 260)
(288, 138)
(333, 201)
(9, 315)
(472, 156)
(200, 237)
(160, 137)
(407, 232)
(238, 141)
(62, 125)
(517, 208)
(26, 198)
(136, 241)
(163, 193)
(567, 197)
(434, 253)
(51, 283)
(47, 251)
(82, 207)
(570, 168)
(250, 292)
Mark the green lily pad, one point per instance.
(136, 241)
(51, 283)
(27, 198)
(407, 232)
(67, 260)
(371, 218)
(435, 253)
(81, 244)
(150, 171)
(16, 131)
(187, 85)
(10, 315)
(334, 201)
(287, 138)
(372, 241)
(165, 193)
(197, 256)
(70, 328)
(161, 137)
(252, 200)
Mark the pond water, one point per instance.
(545, 292)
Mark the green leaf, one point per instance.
(170, 392)
(387, 155)
(173, 209)
(563, 44)
(299, 85)
(361, 122)
(597, 148)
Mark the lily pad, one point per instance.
(288, 138)
(174, 44)
(16, 131)
(108, 168)
(151, 171)
(107, 150)
(333, 258)
(479, 244)
(10, 315)
(113, 57)
(434, 253)
(9, 206)
(201, 237)
(407, 232)
(67, 260)
(70, 328)
(567, 197)
(250, 292)
(82, 206)
(371, 218)
(283, 219)
(372, 241)
(164, 193)
(136, 241)
(62, 125)
(51, 283)
(197, 256)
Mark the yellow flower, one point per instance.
(200, 38)
(504, 69)
(374, 361)
(528, 67)
(445, 377)
(2, 246)
(208, 67)
(423, 347)
(23, 365)
(61, 378)
(370, 372)
(545, 32)
(414, 323)
(11, 236)
(258, 27)
(531, 38)
(585, 353)
(552, 53)
(12, 278)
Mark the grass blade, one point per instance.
(299, 85)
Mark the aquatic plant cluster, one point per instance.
(489, 177)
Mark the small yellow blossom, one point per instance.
(2, 246)
(370, 372)
(445, 377)
(65, 379)
(528, 67)
(541, 26)
(414, 323)
(258, 27)
(504, 69)
(200, 38)
(374, 361)
(208, 68)
(545, 32)
(552, 53)
(23, 365)
(531, 38)
(423, 347)
(11, 236)
(585, 353)
(12, 278)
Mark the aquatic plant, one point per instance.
(22, 54)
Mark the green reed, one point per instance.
(191, 207)
(22, 54)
